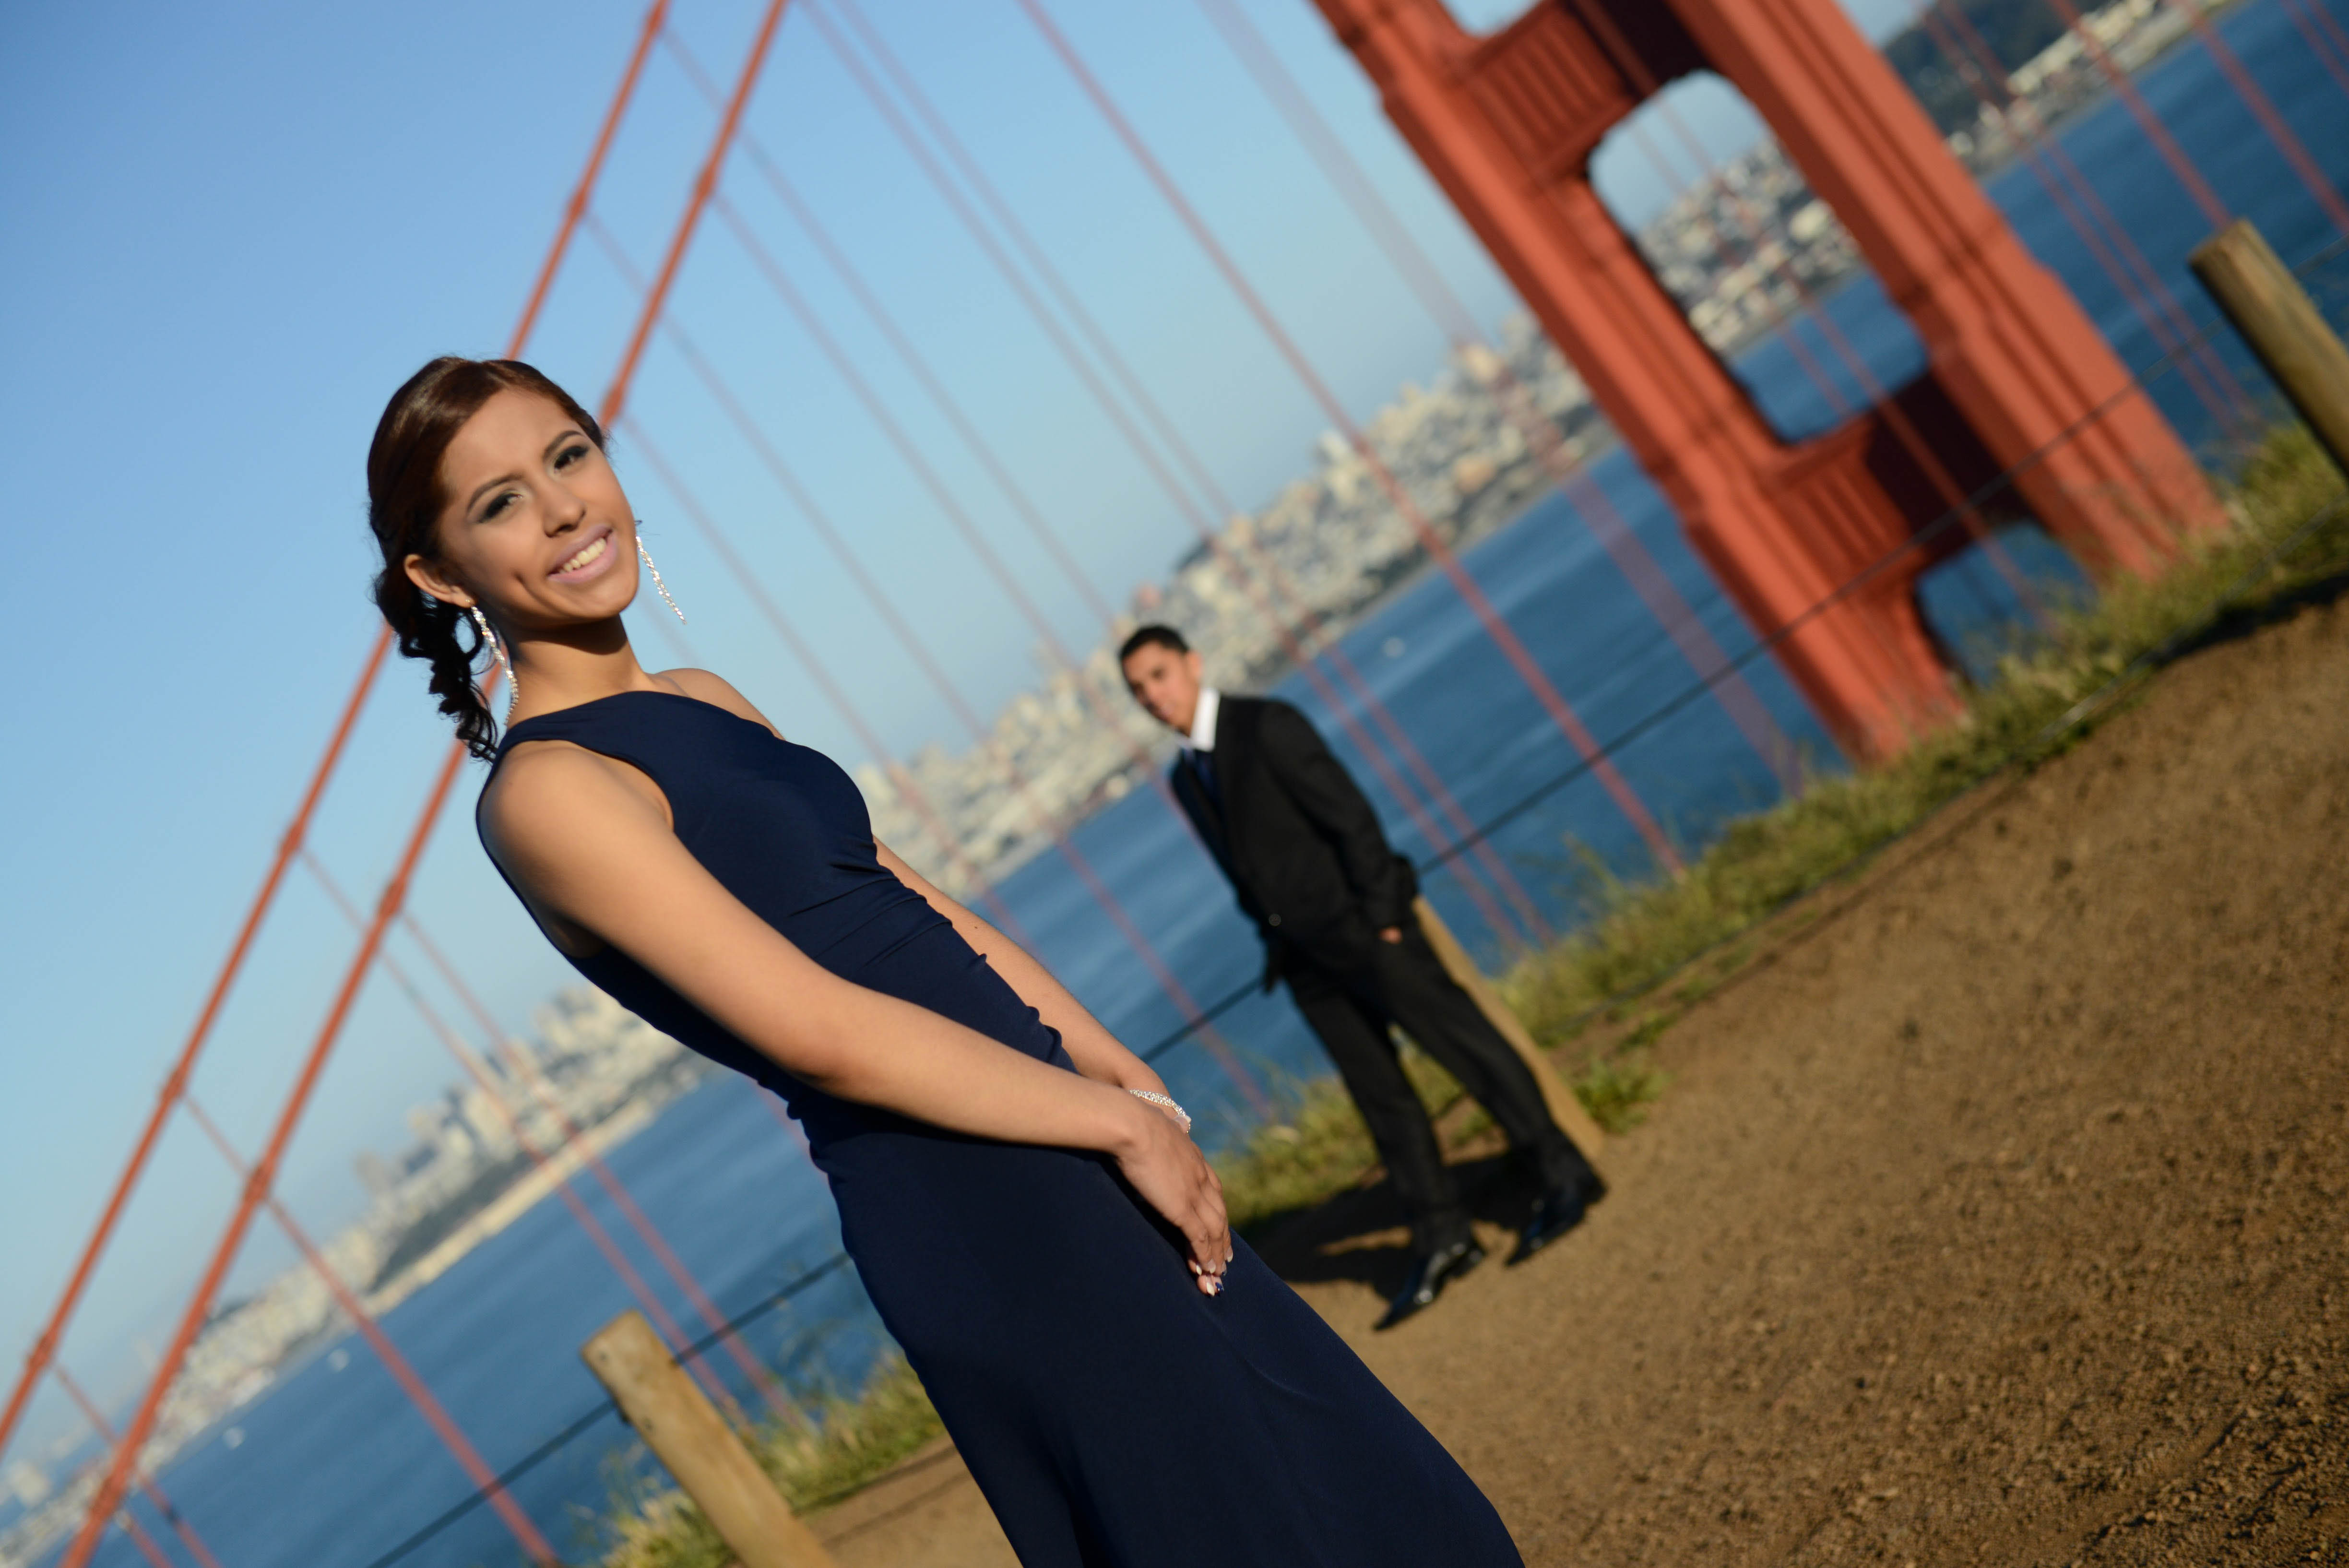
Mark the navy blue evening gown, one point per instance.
(1111, 1413)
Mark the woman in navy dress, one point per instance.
(1128, 1383)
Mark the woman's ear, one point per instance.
(426, 574)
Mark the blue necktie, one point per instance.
(1205, 766)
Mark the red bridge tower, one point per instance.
(2017, 377)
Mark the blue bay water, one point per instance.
(331, 1467)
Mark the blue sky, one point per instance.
(227, 231)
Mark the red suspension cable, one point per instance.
(2263, 109)
(703, 184)
(2326, 38)
(945, 498)
(836, 543)
(1497, 628)
(1492, 867)
(175, 1082)
(444, 1426)
(46, 1347)
(581, 194)
(1201, 525)
(163, 1505)
(264, 1171)
(999, 913)
(2115, 250)
(541, 1088)
(1583, 496)
(263, 1175)
(141, 1539)
(813, 667)
(2214, 210)
(671, 1333)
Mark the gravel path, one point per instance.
(1995, 1215)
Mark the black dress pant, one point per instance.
(1350, 993)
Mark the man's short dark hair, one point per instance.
(1152, 637)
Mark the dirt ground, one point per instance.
(1994, 1216)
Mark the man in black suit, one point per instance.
(1333, 903)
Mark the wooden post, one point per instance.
(687, 1436)
(1564, 1108)
(2283, 329)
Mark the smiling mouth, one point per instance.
(588, 555)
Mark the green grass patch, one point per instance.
(1320, 1148)
(1617, 1089)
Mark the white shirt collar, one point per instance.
(1202, 737)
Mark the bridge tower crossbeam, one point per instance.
(1826, 535)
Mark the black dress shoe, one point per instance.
(1429, 1274)
(1555, 1212)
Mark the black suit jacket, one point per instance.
(1292, 829)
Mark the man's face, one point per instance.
(1166, 684)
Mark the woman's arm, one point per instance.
(589, 848)
(1098, 1054)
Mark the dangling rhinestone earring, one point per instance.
(646, 556)
(498, 655)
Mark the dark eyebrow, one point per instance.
(569, 433)
(486, 486)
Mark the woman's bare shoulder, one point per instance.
(577, 833)
(715, 690)
(540, 783)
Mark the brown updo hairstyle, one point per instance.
(404, 505)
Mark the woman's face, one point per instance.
(534, 528)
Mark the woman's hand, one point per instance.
(1173, 1176)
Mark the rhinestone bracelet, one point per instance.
(1181, 1115)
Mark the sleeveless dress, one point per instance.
(1112, 1414)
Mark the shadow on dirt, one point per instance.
(1363, 1234)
